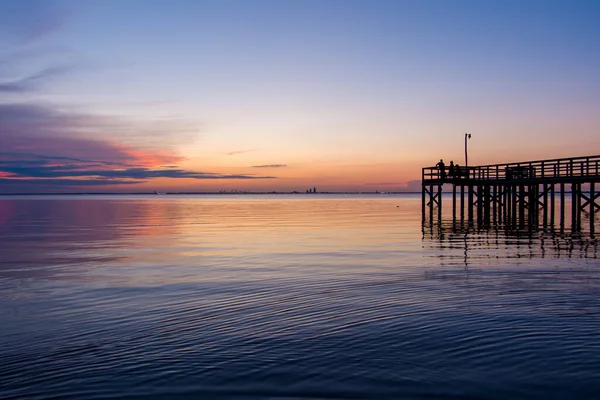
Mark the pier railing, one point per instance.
(554, 169)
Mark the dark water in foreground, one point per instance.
(288, 297)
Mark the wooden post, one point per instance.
(486, 205)
(562, 206)
(494, 202)
(453, 202)
(470, 205)
(592, 207)
(501, 192)
(521, 205)
(514, 205)
(506, 206)
(579, 205)
(552, 204)
(462, 202)
(574, 196)
(423, 190)
(532, 198)
(537, 204)
(439, 197)
(546, 191)
(480, 202)
(431, 201)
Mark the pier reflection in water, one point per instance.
(457, 240)
(463, 243)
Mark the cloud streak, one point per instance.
(31, 82)
(29, 185)
(270, 166)
(45, 169)
(236, 152)
(32, 171)
(45, 146)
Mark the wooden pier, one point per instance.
(530, 193)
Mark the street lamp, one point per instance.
(467, 136)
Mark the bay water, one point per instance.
(289, 296)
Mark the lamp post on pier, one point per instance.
(467, 137)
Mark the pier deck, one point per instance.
(517, 193)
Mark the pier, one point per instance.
(519, 194)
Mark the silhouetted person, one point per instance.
(451, 169)
(457, 171)
(442, 169)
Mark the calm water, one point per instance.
(266, 297)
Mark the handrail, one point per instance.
(545, 160)
(586, 166)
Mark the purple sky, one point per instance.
(284, 95)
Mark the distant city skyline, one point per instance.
(341, 95)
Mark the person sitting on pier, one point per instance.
(442, 168)
(451, 169)
(457, 171)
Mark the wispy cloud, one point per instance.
(45, 145)
(34, 129)
(31, 82)
(27, 20)
(9, 185)
(49, 169)
(236, 152)
(34, 172)
(65, 162)
(270, 166)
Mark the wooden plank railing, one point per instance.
(575, 167)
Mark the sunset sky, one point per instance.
(344, 95)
